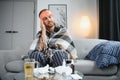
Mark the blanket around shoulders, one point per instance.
(61, 39)
(105, 54)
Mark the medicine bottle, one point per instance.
(72, 66)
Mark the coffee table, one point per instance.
(48, 76)
(57, 76)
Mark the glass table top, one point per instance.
(49, 76)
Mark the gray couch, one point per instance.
(88, 67)
(11, 65)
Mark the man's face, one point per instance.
(47, 18)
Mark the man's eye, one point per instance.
(50, 16)
(45, 18)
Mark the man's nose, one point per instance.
(49, 19)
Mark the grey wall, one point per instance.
(75, 9)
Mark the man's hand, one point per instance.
(42, 44)
(42, 26)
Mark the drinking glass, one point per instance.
(29, 66)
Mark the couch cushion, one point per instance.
(83, 46)
(89, 67)
(13, 76)
(8, 76)
(15, 66)
(20, 76)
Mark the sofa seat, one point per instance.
(13, 76)
(88, 67)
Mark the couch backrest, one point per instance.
(83, 46)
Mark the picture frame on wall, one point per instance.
(59, 13)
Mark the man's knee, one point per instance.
(58, 57)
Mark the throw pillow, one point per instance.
(15, 66)
(105, 54)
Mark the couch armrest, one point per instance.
(8, 56)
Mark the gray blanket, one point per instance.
(60, 39)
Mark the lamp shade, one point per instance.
(84, 26)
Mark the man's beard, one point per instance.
(50, 24)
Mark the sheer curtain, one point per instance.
(109, 19)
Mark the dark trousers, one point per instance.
(54, 60)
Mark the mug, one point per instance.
(29, 66)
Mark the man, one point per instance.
(53, 44)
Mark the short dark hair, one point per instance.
(42, 11)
